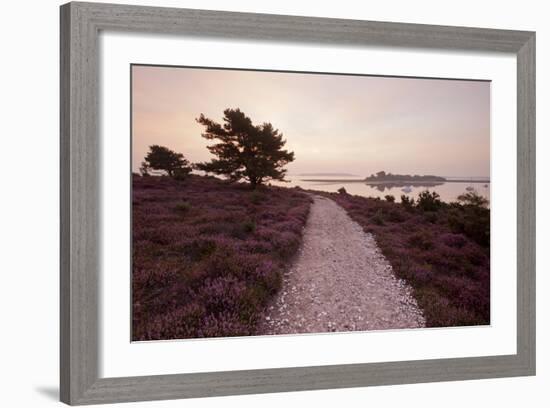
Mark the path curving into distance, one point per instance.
(340, 281)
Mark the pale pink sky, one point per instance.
(333, 123)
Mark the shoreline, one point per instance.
(408, 182)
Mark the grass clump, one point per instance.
(183, 207)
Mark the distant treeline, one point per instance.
(383, 176)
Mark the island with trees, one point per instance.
(383, 177)
(382, 180)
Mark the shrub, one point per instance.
(430, 216)
(181, 173)
(377, 218)
(342, 190)
(422, 240)
(472, 221)
(243, 229)
(443, 254)
(407, 202)
(249, 226)
(144, 169)
(428, 201)
(163, 159)
(198, 249)
(183, 207)
(389, 198)
(396, 215)
(473, 198)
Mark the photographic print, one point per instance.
(277, 203)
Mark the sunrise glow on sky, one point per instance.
(333, 123)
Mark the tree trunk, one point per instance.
(253, 182)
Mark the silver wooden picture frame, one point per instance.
(81, 24)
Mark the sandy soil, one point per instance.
(339, 282)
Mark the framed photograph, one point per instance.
(260, 203)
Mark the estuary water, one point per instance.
(448, 191)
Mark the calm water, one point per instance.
(447, 191)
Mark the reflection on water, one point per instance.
(447, 191)
(405, 187)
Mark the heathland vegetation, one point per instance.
(441, 249)
(209, 253)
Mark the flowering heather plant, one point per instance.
(441, 249)
(207, 255)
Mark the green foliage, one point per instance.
(430, 216)
(389, 198)
(378, 218)
(472, 221)
(243, 229)
(181, 173)
(471, 217)
(422, 240)
(395, 215)
(428, 201)
(407, 202)
(472, 198)
(183, 207)
(144, 169)
(249, 226)
(246, 151)
(162, 158)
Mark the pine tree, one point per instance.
(162, 158)
(245, 151)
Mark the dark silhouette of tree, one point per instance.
(474, 199)
(245, 151)
(162, 158)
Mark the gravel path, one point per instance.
(339, 282)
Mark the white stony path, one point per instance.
(340, 281)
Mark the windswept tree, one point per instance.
(245, 151)
(162, 158)
(474, 199)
